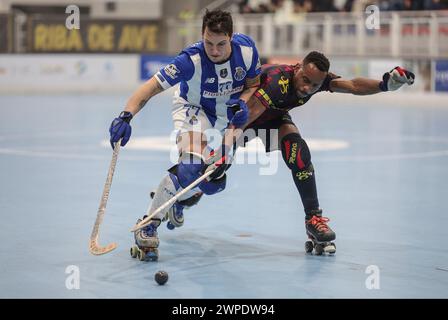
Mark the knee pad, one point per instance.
(296, 153)
(213, 186)
(191, 201)
(189, 168)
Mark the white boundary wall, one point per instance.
(114, 73)
(77, 73)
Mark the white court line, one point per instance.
(418, 155)
(54, 134)
(164, 144)
(43, 154)
(58, 155)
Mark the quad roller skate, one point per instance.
(166, 217)
(319, 233)
(174, 215)
(147, 242)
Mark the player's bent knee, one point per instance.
(296, 153)
(191, 201)
(213, 186)
(189, 168)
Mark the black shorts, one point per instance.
(267, 131)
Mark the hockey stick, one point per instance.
(170, 202)
(253, 115)
(94, 246)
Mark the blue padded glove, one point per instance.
(120, 129)
(241, 112)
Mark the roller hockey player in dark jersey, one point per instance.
(284, 87)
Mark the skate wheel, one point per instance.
(134, 252)
(318, 249)
(170, 226)
(153, 254)
(141, 255)
(309, 246)
(331, 248)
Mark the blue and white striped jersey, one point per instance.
(209, 85)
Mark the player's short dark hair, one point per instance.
(218, 21)
(319, 60)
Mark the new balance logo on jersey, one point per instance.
(210, 80)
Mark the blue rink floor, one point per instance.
(385, 190)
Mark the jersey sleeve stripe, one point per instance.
(162, 81)
(247, 53)
(262, 96)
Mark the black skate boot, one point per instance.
(319, 233)
(147, 242)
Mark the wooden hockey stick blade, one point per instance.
(97, 250)
(94, 246)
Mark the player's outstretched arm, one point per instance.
(392, 81)
(120, 127)
(141, 96)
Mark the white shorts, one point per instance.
(190, 118)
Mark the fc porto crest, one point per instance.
(240, 73)
(223, 73)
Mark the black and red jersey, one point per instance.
(277, 92)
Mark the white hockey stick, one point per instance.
(94, 246)
(229, 134)
(170, 202)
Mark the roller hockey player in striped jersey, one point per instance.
(284, 87)
(217, 76)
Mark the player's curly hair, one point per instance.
(319, 59)
(218, 21)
